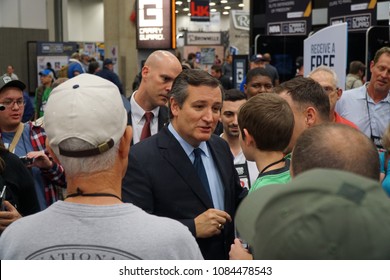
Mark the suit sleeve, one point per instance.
(136, 188)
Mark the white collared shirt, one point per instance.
(138, 120)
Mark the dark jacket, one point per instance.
(161, 179)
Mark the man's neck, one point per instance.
(141, 101)
(105, 183)
(376, 95)
(263, 159)
(332, 116)
(234, 143)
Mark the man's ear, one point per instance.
(51, 153)
(248, 138)
(124, 145)
(310, 116)
(174, 106)
(339, 93)
(144, 71)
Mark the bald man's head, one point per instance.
(335, 146)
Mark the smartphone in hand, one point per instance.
(2, 198)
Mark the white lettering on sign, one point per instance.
(360, 22)
(274, 29)
(298, 27)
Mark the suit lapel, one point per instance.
(172, 151)
(162, 117)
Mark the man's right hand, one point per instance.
(211, 222)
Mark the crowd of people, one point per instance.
(189, 168)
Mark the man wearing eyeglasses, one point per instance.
(368, 106)
(28, 142)
(327, 78)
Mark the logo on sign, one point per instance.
(241, 20)
(151, 13)
(150, 20)
(274, 29)
(355, 22)
(199, 10)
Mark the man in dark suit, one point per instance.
(163, 176)
(148, 104)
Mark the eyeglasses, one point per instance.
(329, 90)
(9, 103)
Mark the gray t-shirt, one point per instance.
(71, 231)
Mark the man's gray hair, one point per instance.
(86, 165)
(323, 68)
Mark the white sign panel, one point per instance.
(203, 38)
(327, 47)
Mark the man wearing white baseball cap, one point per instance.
(87, 131)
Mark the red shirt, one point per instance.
(340, 119)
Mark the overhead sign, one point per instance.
(239, 31)
(288, 18)
(328, 47)
(241, 19)
(359, 15)
(56, 48)
(200, 10)
(156, 25)
(203, 38)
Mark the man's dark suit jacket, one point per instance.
(163, 118)
(161, 179)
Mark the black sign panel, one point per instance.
(200, 10)
(288, 18)
(360, 15)
(154, 24)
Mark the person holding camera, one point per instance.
(18, 197)
(28, 140)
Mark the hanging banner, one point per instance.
(328, 47)
(288, 18)
(239, 30)
(359, 15)
(200, 10)
(155, 22)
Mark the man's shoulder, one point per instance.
(150, 144)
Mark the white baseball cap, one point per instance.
(86, 107)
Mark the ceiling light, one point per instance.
(189, 14)
(186, 9)
(224, 1)
(176, 11)
(212, 3)
(225, 13)
(179, 3)
(227, 7)
(241, 5)
(213, 10)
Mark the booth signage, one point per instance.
(203, 38)
(154, 24)
(327, 47)
(285, 17)
(359, 15)
(200, 10)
